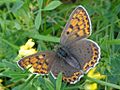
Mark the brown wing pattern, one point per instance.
(77, 27)
(39, 63)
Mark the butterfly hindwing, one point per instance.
(77, 27)
(87, 52)
(39, 63)
(70, 74)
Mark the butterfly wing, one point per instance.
(39, 63)
(77, 27)
(70, 74)
(87, 52)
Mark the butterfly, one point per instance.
(75, 55)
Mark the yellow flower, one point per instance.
(92, 86)
(27, 49)
(1, 80)
(96, 75)
(1, 86)
(92, 74)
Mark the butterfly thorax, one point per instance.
(63, 53)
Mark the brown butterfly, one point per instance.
(75, 56)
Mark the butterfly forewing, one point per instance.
(77, 27)
(39, 63)
(87, 52)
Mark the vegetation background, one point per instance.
(43, 21)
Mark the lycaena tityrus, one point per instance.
(75, 56)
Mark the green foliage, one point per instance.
(113, 75)
(43, 21)
(58, 82)
(52, 5)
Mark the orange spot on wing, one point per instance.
(81, 33)
(79, 16)
(22, 64)
(85, 17)
(72, 78)
(34, 65)
(87, 31)
(74, 22)
(33, 60)
(69, 30)
(39, 66)
(82, 26)
(86, 66)
(27, 63)
(74, 16)
(42, 60)
(80, 23)
(45, 66)
(25, 60)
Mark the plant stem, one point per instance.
(103, 83)
(74, 87)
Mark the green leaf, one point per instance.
(38, 20)
(47, 38)
(14, 75)
(40, 3)
(52, 5)
(29, 81)
(114, 42)
(42, 37)
(114, 75)
(59, 81)
(28, 87)
(51, 78)
(10, 65)
(49, 85)
(9, 43)
(2, 65)
(17, 5)
(6, 1)
(46, 84)
(42, 83)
